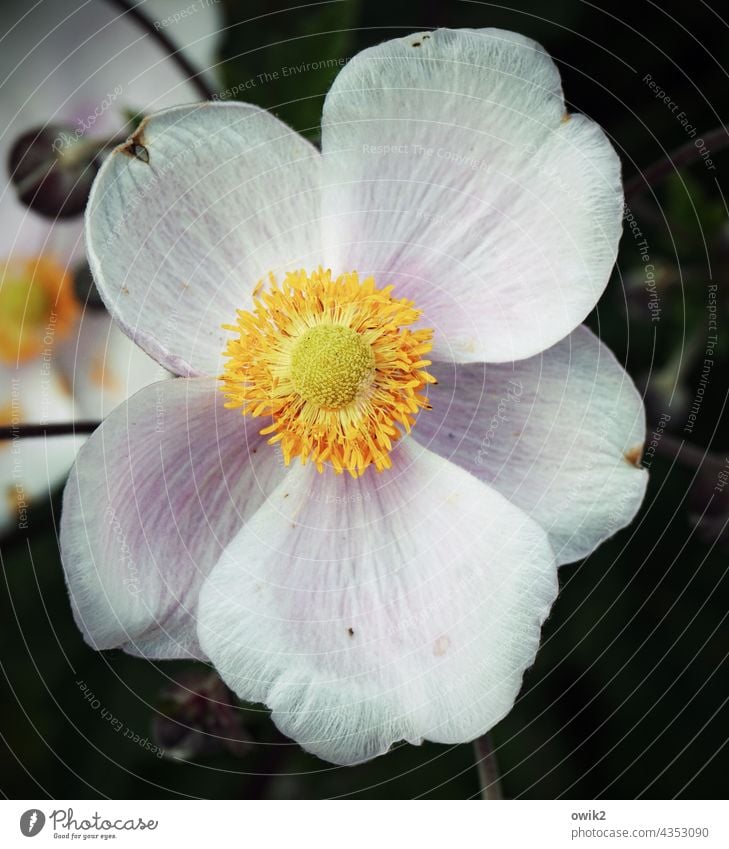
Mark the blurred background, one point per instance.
(628, 696)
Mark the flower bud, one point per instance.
(52, 169)
(200, 716)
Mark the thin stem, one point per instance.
(684, 452)
(88, 148)
(187, 68)
(715, 140)
(71, 156)
(26, 431)
(488, 769)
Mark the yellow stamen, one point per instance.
(37, 306)
(335, 365)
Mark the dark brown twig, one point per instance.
(672, 448)
(187, 68)
(27, 431)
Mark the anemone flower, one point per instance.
(68, 77)
(389, 427)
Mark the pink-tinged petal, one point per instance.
(450, 171)
(31, 468)
(404, 605)
(179, 242)
(560, 435)
(156, 494)
(103, 366)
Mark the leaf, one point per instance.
(288, 74)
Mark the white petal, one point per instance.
(559, 435)
(405, 605)
(31, 468)
(450, 173)
(103, 366)
(156, 494)
(178, 243)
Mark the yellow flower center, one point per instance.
(334, 364)
(330, 365)
(37, 306)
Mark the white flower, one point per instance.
(402, 598)
(76, 71)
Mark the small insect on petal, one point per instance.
(135, 147)
(139, 151)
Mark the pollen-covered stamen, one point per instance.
(335, 365)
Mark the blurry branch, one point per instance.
(683, 452)
(188, 69)
(26, 431)
(714, 140)
(488, 769)
(707, 495)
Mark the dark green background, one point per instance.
(628, 695)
